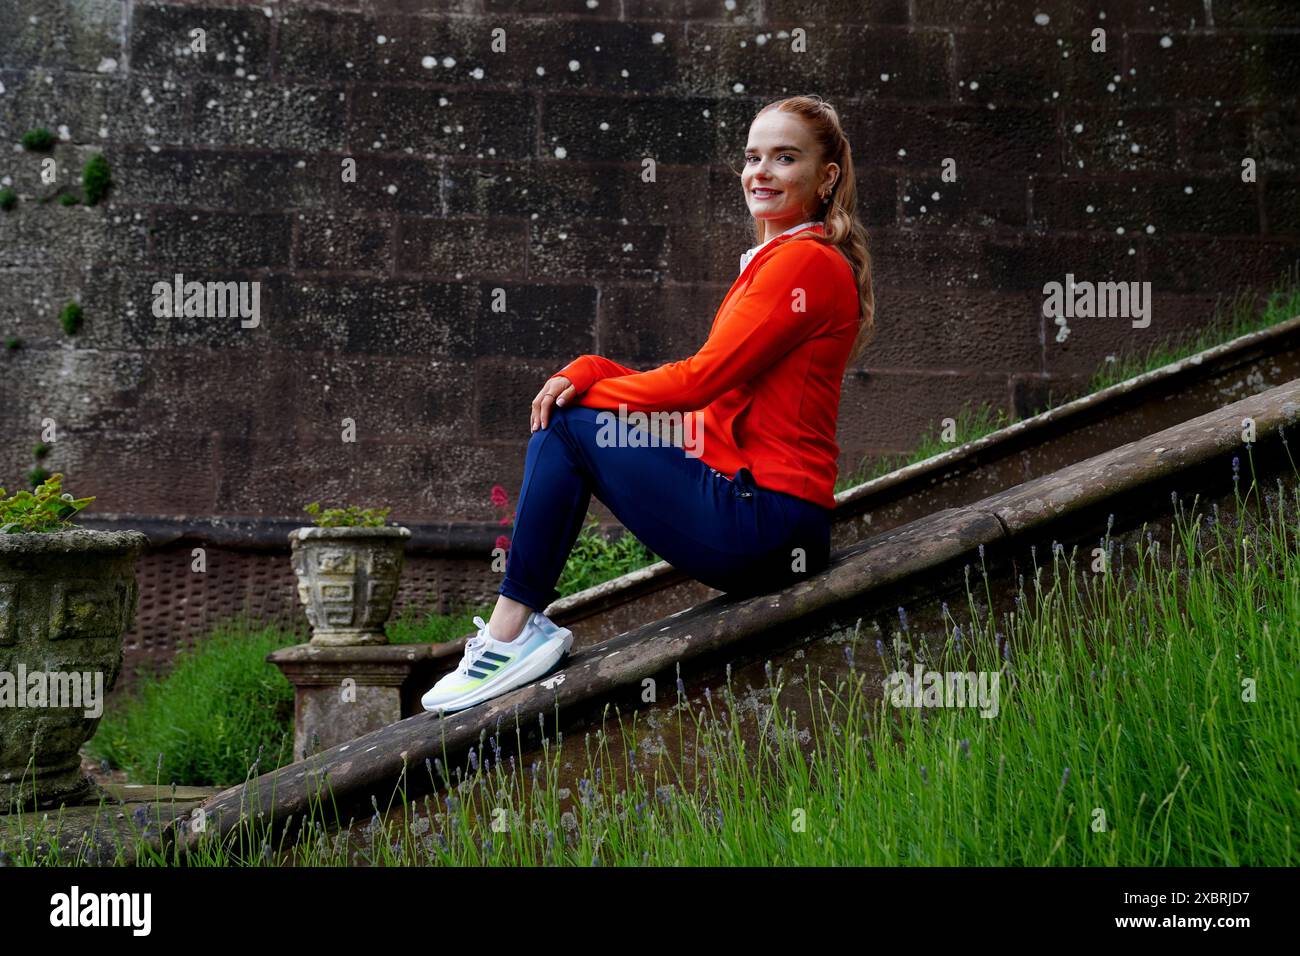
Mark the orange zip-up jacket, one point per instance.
(768, 377)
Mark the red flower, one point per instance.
(503, 543)
(499, 496)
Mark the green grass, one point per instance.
(970, 423)
(429, 627)
(218, 710)
(596, 558)
(1240, 315)
(1147, 717)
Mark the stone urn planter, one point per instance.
(67, 599)
(347, 579)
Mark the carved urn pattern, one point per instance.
(347, 580)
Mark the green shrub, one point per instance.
(208, 720)
(67, 199)
(95, 179)
(38, 140)
(8, 199)
(13, 343)
(70, 318)
(595, 558)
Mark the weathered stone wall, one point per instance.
(521, 171)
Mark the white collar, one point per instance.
(749, 254)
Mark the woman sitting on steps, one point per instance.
(749, 510)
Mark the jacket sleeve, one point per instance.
(784, 304)
(586, 370)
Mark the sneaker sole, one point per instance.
(534, 669)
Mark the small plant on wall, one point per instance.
(350, 516)
(70, 318)
(45, 509)
(38, 140)
(95, 179)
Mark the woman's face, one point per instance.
(781, 178)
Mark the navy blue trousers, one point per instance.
(729, 534)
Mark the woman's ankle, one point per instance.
(507, 623)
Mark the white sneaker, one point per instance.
(490, 667)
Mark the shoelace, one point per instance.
(475, 644)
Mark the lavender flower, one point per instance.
(964, 743)
(473, 758)
(902, 617)
(681, 687)
(880, 647)
(1236, 469)
(925, 777)
(981, 550)
(957, 636)
(1064, 778)
(848, 655)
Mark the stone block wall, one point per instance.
(483, 172)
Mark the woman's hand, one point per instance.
(556, 391)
